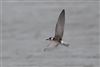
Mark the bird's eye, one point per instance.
(50, 38)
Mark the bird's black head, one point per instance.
(50, 38)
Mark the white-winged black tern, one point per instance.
(59, 30)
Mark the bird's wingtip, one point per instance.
(63, 10)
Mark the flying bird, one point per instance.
(59, 30)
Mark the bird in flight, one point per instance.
(59, 30)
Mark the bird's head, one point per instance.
(50, 38)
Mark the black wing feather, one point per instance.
(59, 30)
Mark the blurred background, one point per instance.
(27, 23)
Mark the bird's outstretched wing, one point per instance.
(51, 45)
(60, 26)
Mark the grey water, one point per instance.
(26, 25)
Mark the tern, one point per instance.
(59, 30)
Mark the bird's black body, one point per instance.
(56, 38)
